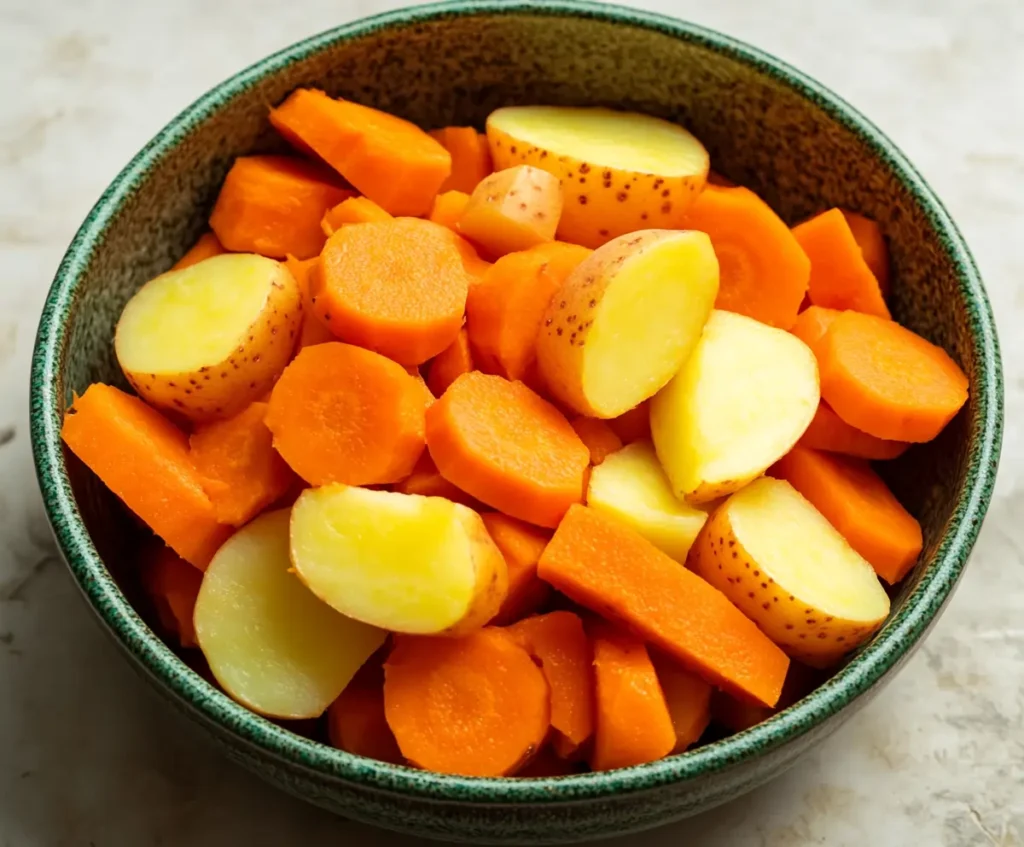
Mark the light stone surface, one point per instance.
(88, 756)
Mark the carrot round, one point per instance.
(391, 161)
(887, 381)
(604, 565)
(173, 586)
(344, 414)
(448, 208)
(471, 157)
(313, 331)
(812, 324)
(868, 235)
(633, 425)
(840, 277)
(398, 287)
(354, 210)
(476, 706)
(507, 447)
(520, 545)
(859, 504)
(832, 434)
(208, 245)
(356, 721)
(763, 271)
(426, 480)
(633, 721)
(451, 363)
(599, 437)
(143, 458)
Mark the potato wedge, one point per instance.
(207, 340)
(421, 565)
(784, 565)
(741, 401)
(511, 210)
(620, 171)
(626, 319)
(270, 643)
(630, 485)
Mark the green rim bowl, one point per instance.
(767, 126)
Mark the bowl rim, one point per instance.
(191, 691)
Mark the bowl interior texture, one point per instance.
(766, 126)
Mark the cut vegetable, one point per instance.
(354, 210)
(313, 330)
(812, 324)
(426, 480)
(831, 433)
(451, 363)
(206, 247)
(356, 722)
(633, 425)
(448, 209)
(738, 716)
(599, 437)
(688, 698)
(868, 235)
(471, 158)
(173, 586)
(520, 545)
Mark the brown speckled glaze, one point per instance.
(766, 126)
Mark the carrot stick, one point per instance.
(476, 706)
(632, 425)
(391, 161)
(868, 235)
(354, 210)
(448, 208)
(426, 480)
(763, 272)
(859, 504)
(606, 566)
(451, 363)
(344, 414)
(520, 545)
(208, 245)
(558, 642)
(840, 278)
(143, 458)
(599, 437)
(507, 447)
(688, 698)
(241, 472)
(398, 287)
(633, 722)
(272, 205)
(471, 157)
(173, 585)
(812, 324)
(356, 721)
(886, 381)
(832, 434)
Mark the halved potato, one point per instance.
(739, 404)
(421, 565)
(620, 171)
(787, 568)
(626, 319)
(207, 340)
(631, 485)
(271, 644)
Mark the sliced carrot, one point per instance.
(887, 381)
(354, 210)
(508, 447)
(391, 161)
(426, 480)
(812, 324)
(840, 278)
(558, 642)
(738, 716)
(471, 157)
(520, 545)
(476, 706)
(340, 413)
(143, 458)
(632, 425)
(599, 437)
(832, 434)
(451, 363)
(763, 271)
(208, 245)
(356, 721)
(313, 330)
(173, 586)
(606, 566)
(448, 208)
(398, 287)
(272, 205)
(688, 698)
(868, 235)
(859, 504)
(633, 722)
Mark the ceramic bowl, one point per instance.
(766, 125)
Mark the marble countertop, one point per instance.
(89, 756)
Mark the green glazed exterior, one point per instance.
(766, 125)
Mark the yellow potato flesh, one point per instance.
(269, 641)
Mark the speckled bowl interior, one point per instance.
(767, 126)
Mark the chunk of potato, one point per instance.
(620, 171)
(631, 485)
(511, 210)
(421, 565)
(626, 319)
(270, 643)
(787, 568)
(739, 404)
(207, 340)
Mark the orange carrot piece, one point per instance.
(859, 504)
(606, 566)
(313, 330)
(426, 481)
(476, 706)
(143, 458)
(738, 716)
(599, 437)
(356, 721)
(340, 413)
(520, 545)
(840, 278)
(173, 586)
(354, 210)
(398, 287)
(471, 157)
(763, 272)
(887, 381)
(688, 698)
(632, 425)
(832, 434)
(391, 161)
(241, 471)
(868, 235)
(633, 722)
(448, 208)
(207, 246)
(558, 642)
(272, 205)
(451, 363)
(508, 447)
(812, 324)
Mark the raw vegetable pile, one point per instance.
(519, 453)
